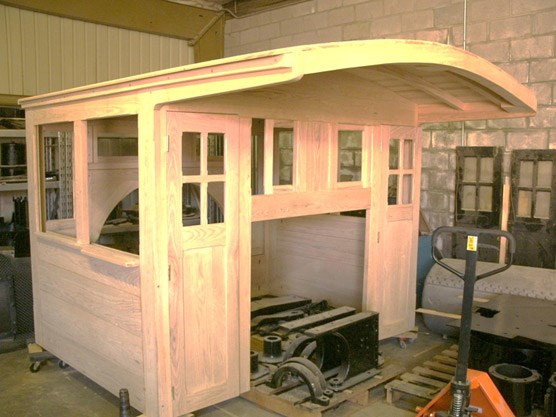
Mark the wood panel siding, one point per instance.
(91, 318)
(320, 257)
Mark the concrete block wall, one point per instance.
(517, 35)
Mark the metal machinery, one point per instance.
(470, 391)
(327, 350)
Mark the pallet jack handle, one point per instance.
(460, 385)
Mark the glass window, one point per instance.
(485, 198)
(487, 170)
(392, 189)
(203, 191)
(117, 146)
(470, 169)
(408, 154)
(56, 144)
(468, 197)
(524, 203)
(542, 205)
(394, 154)
(215, 153)
(191, 153)
(257, 156)
(407, 187)
(283, 160)
(544, 174)
(349, 155)
(526, 173)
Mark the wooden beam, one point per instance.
(160, 17)
(284, 205)
(242, 8)
(209, 44)
(9, 100)
(426, 87)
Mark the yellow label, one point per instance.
(472, 243)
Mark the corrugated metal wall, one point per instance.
(41, 53)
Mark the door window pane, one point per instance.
(487, 170)
(283, 156)
(191, 204)
(524, 203)
(542, 205)
(544, 174)
(468, 198)
(470, 169)
(408, 154)
(215, 202)
(215, 152)
(392, 189)
(485, 198)
(407, 195)
(349, 155)
(394, 154)
(526, 173)
(57, 172)
(191, 153)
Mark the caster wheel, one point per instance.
(35, 367)
(62, 365)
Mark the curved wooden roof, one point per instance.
(429, 81)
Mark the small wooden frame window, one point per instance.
(283, 161)
(56, 178)
(203, 169)
(401, 154)
(350, 152)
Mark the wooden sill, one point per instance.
(113, 256)
(127, 260)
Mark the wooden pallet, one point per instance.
(295, 402)
(427, 380)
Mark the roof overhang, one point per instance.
(440, 82)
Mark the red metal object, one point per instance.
(484, 395)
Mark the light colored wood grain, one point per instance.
(319, 257)
(109, 303)
(104, 370)
(194, 285)
(244, 249)
(267, 207)
(204, 276)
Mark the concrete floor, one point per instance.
(56, 392)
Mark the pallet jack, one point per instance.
(471, 392)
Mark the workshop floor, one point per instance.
(56, 392)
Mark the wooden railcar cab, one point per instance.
(160, 203)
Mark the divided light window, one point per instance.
(203, 189)
(400, 165)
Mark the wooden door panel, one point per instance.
(203, 261)
(533, 207)
(204, 313)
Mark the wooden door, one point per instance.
(392, 228)
(203, 258)
(478, 197)
(533, 207)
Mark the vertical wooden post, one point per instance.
(81, 181)
(154, 263)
